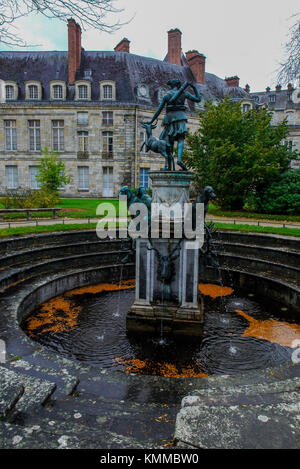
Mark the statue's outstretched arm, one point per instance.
(191, 97)
(157, 113)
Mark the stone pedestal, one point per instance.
(167, 300)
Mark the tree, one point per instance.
(237, 153)
(89, 13)
(51, 172)
(283, 195)
(290, 69)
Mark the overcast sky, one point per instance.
(238, 37)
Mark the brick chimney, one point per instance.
(247, 88)
(123, 46)
(196, 62)
(174, 46)
(290, 87)
(232, 81)
(74, 49)
(278, 88)
(268, 89)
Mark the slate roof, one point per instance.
(126, 69)
(283, 99)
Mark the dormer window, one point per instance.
(58, 90)
(246, 107)
(83, 90)
(108, 90)
(143, 91)
(87, 73)
(161, 93)
(272, 98)
(11, 91)
(33, 90)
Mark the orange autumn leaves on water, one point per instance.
(278, 332)
(61, 314)
(94, 289)
(214, 291)
(167, 370)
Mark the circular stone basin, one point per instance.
(240, 333)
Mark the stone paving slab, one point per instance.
(36, 391)
(64, 381)
(9, 395)
(274, 426)
(214, 393)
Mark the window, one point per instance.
(143, 91)
(58, 135)
(143, 138)
(83, 141)
(33, 92)
(57, 92)
(144, 177)
(108, 144)
(107, 92)
(161, 93)
(82, 118)
(246, 107)
(107, 181)
(290, 118)
(83, 178)
(11, 173)
(9, 92)
(33, 182)
(107, 118)
(87, 73)
(34, 135)
(10, 135)
(83, 92)
(272, 98)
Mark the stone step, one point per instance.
(64, 381)
(273, 426)
(138, 425)
(65, 436)
(25, 256)
(18, 274)
(10, 393)
(36, 391)
(248, 393)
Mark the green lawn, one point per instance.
(71, 208)
(75, 227)
(214, 210)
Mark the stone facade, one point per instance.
(59, 99)
(284, 104)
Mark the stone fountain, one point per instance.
(167, 261)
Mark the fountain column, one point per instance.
(166, 265)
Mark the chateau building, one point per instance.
(88, 106)
(284, 104)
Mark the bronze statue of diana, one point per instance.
(175, 120)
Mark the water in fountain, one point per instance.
(226, 348)
(117, 313)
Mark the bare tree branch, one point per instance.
(290, 68)
(88, 13)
